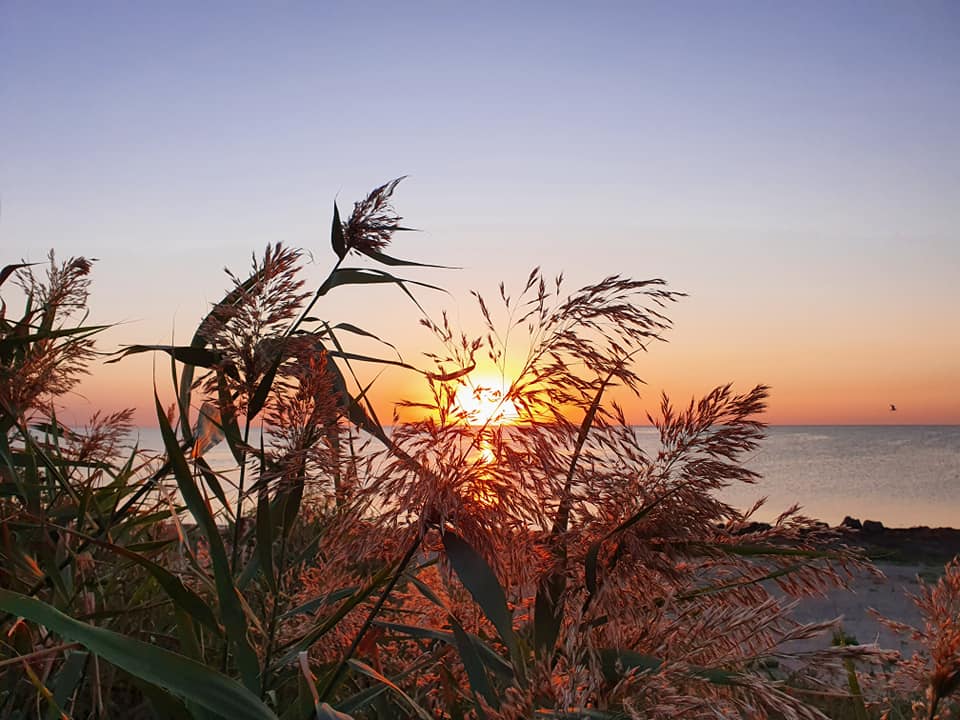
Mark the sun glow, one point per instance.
(484, 403)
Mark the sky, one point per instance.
(793, 167)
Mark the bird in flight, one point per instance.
(893, 408)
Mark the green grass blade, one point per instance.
(8, 270)
(68, 677)
(365, 669)
(324, 626)
(385, 259)
(487, 654)
(479, 579)
(180, 675)
(337, 240)
(231, 610)
(187, 354)
(265, 530)
(473, 665)
(182, 596)
(548, 613)
(615, 663)
(328, 599)
(260, 395)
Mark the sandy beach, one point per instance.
(904, 556)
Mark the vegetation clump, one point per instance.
(515, 555)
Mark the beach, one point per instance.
(904, 556)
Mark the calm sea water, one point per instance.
(900, 475)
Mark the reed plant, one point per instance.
(453, 566)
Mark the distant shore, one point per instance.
(919, 545)
(914, 545)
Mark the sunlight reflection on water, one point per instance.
(902, 476)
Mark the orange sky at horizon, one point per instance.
(838, 383)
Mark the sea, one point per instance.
(902, 476)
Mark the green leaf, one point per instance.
(210, 477)
(548, 613)
(170, 707)
(67, 679)
(616, 663)
(325, 712)
(259, 398)
(349, 327)
(8, 270)
(548, 604)
(473, 665)
(354, 411)
(234, 620)
(232, 298)
(365, 697)
(396, 262)
(311, 605)
(336, 234)
(325, 625)
(365, 669)
(593, 552)
(479, 579)
(265, 530)
(228, 421)
(12, 341)
(369, 358)
(181, 595)
(362, 699)
(489, 656)
(196, 356)
(180, 675)
(453, 375)
(368, 276)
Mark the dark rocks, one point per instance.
(921, 545)
(852, 523)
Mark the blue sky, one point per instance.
(794, 166)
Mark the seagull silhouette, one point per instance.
(893, 408)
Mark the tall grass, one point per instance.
(452, 567)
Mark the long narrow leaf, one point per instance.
(265, 530)
(8, 270)
(234, 619)
(482, 583)
(198, 357)
(337, 240)
(181, 595)
(365, 669)
(490, 658)
(473, 665)
(615, 663)
(397, 262)
(182, 676)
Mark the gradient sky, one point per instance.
(795, 167)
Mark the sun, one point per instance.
(483, 403)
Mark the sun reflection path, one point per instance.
(483, 490)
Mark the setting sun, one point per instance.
(483, 403)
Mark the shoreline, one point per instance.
(917, 545)
(914, 545)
